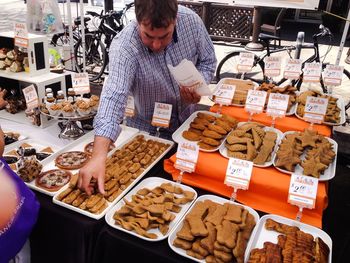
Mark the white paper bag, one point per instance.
(186, 74)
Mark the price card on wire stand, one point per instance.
(245, 62)
(292, 69)
(186, 156)
(130, 107)
(21, 35)
(224, 94)
(162, 114)
(303, 191)
(333, 75)
(277, 104)
(315, 109)
(31, 97)
(312, 72)
(238, 173)
(255, 101)
(80, 83)
(272, 66)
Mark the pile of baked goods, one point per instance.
(294, 245)
(11, 137)
(250, 141)
(152, 209)
(333, 111)
(208, 130)
(316, 148)
(241, 91)
(287, 90)
(215, 232)
(13, 60)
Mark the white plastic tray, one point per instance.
(223, 149)
(341, 106)
(111, 204)
(328, 174)
(150, 183)
(213, 198)
(261, 234)
(177, 135)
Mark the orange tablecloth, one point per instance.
(288, 123)
(268, 189)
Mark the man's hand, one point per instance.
(189, 94)
(3, 102)
(95, 168)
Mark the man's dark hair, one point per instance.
(160, 13)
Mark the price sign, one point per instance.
(130, 107)
(333, 75)
(31, 97)
(162, 114)
(238, 173)
(255, 101)
(272, 66)
(21, 35)
(303, 191)
(315, 109)
(277, 104)
(224, 94)
(186, 156)
(312, 72)
(245, 62)
(80, 83)
(292, 69)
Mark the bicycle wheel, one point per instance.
(227, 68)
(95, 56)
(60, 39)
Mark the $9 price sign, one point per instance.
(303, 190)
(238, 173)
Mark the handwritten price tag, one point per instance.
(238, 173)
(162, 114)
(333, 75)
(303, 191)
(315, 109)
(292, 69)
(277, 104)
(245, 62)
(272, 66)
(224, 94)
(255, 101)
(186, 156)
(21, 34)
(80, 83)
(312, 72)
(130, 107)
(31, 97)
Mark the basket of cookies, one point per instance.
(151, 209)
(335, 114)
(214, 230)
(206, 128)
(307, 153)
(252, 141)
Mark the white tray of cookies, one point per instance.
(212, 228)
(326, 175)
(203, 127)
(266, 232)
(268, 162)
(124, 168)
(163, 201)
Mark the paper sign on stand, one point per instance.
(302, 192)
(277, 106)
(129, 109)
(31, 97)
(292, 69)
(272, 66)
(315, 109)
(161, 115)
(21, 35)
(312, 72)
(186, 158)
(255, 102)
(80, 83)
(238, 174)
(332, 76)
(246, 62)
(224, 95)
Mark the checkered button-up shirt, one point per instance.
(135, 70)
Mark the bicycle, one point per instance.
(97, 43)
(227, 66)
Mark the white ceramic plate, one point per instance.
(150, 183)
(261, 234)
(328, 174)
(223, 149)
(111, 204)
(213, 198)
